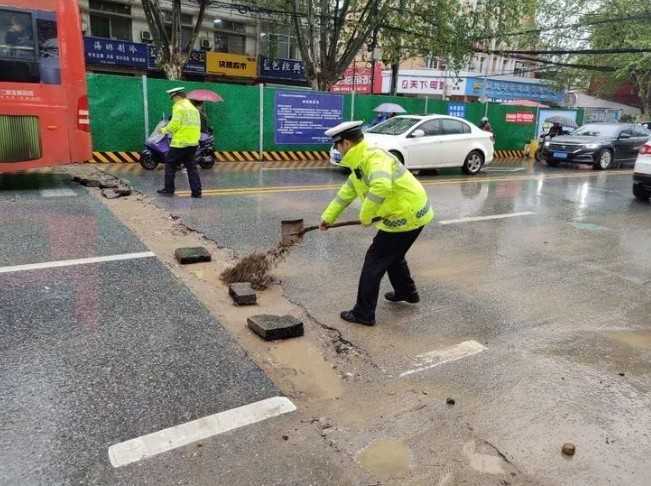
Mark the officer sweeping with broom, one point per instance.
(392, 199)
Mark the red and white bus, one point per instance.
(43, 102)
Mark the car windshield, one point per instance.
(597, 131)
(394, 126)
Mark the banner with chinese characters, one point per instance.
(232, 65)
(426, 82)
(520, 117)
(359, 78)
(302, 117)
(457, 109)
(115, 53)
(281, 69)
(196, 63)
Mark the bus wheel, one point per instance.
(147, 160)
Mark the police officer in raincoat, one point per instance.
(185, 128)
(392, 199)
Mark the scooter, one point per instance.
(158, 144)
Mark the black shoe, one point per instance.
(350, 316)
(165, 192)
(196, 196)
(393, 297)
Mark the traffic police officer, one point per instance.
(395, 201)
(185, 128)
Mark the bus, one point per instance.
(44, 117)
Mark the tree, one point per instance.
(173, 54)
(635, 33)
(330, 33)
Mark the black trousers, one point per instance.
(385, 255)
(185, 156)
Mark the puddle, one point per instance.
(635, 339)
(484, 458)
(386, 458)
(310, 373)
(588, 226)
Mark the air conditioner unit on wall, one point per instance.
(145, 36)
(205, 44)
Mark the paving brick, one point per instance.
(242, 293)
(192, 255)
(270, 327)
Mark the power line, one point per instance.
(587, 67)
(627, 50)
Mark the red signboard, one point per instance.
(520, 117)
(358, 78)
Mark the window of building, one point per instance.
(187, 26)
(228, 36)
(110, 19)
(276, 41)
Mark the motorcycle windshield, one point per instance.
(156, 136)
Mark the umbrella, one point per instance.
(561, 120)
(204, 95)
(390, 108)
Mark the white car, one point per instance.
(642, 174)
(434, 141)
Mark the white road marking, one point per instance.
(438, 357)
(149, 445)
(486, 218)
(81, 261)
(504, 169)
(63, 192)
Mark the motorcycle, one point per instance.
(158, 144)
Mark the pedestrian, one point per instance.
(185, 128)
(205, 124)
(395, 201)
(485, 125)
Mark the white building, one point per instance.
(224, 30)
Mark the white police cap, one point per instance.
(174, 91)
(350, 129)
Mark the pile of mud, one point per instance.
(256, 267)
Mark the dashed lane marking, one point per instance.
(486, 218)
(149, 445)
(432, 359)
(63, 192)
(80, 261)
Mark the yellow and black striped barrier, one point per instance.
(114, 157)
(510, 154)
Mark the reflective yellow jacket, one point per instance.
(385, 188)
(185, 125)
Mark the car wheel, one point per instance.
(474, 162)
(604, 160)
(639, 193)
(398, 156)
(147, 160)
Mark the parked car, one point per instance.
(603, 145)
(434, 141)
(642, 174)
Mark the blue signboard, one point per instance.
(457, 109)
(196, 63)
(302, 117)
(501, 90)
(281, 69)
(115, 52)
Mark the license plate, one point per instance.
(560, 155)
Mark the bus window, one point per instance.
(24, 56)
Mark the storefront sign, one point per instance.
(520, 117)
(426, 82)
(302, 117)
(232, 65)
(196, 63)
(457, 109)
(500, 90)
(115, 53)
(358, 78)
(281, 69)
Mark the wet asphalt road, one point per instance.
(559, 298)
(94, 355)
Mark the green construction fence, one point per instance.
(118, 106)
